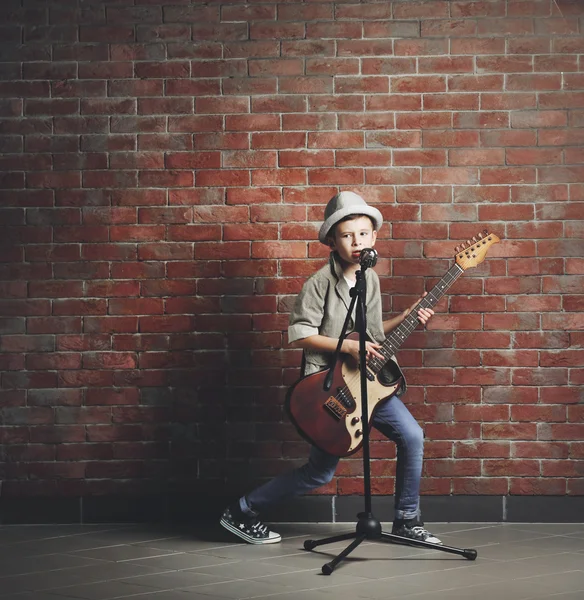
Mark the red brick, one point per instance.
(394, 102)
(248, 13)
(308, 122)
(451, 101)
(110, 325)
(364, 84)
(346, 176)
(330, 103)
(306, 85)
(423, 194)
(490, 176)
(543, 414)
(305, 48)
(220, 178)
(196, 123)
(561, 174)
(469, 305)
(542, 118)
(332, 66)
(540, 376)
(534, 82)
(452, 468)
(418, 84)
(277, 31)
(392, 176)
(370, 121)
(306, 158)
(481, 120)
(275, 67)
(278, 176)
(478, 449)
(477, 46)
(518, 468)
(452, 175)
(170, 323)
(331, 29)
(193, 160)
(514, 285)
(250, 232)
(419, 157)
(222, 250)
(452, 431)
(361, 48)
(564, 358)
(426, 120)
(448, 27)
(252, 122)
(164, 142)
(559, 137)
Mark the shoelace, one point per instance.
(259, 527)
(420, 531)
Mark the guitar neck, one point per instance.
(401, 333)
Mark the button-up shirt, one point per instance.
(321, 308)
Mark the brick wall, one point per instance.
(164, 168)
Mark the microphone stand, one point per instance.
(368, 527)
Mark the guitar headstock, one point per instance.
(473, 252)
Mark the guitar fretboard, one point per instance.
(400, 334)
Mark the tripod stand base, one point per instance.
(369, 528)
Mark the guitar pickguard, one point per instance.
(376, 393)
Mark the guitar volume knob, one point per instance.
(355, 420)
(358, 433)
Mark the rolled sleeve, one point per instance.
(306, 317)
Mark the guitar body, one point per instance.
(332, 420)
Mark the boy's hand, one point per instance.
(352, 347)
(424, 314)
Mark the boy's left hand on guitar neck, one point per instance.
(424, 314)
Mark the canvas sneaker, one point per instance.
(248, 527)
(413, 529)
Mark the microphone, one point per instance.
(368, 258)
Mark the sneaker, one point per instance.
(413, 529)
(248, 527)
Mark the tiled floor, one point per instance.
(148, 562)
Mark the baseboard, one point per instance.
(322, 509)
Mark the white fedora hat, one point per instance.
(344, 204)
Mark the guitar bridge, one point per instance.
(335, 408)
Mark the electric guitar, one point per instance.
(332, 420)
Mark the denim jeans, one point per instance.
(392, 419)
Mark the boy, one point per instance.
(350, 225)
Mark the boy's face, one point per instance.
(353, 236)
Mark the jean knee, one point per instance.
(413, 438)
(317, 478)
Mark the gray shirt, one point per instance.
(321, 308)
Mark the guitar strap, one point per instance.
(303, 365)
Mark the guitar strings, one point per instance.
(409, 324)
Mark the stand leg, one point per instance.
(310, 544)
(398, 539)
(329, 567)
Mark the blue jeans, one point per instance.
(394, 420)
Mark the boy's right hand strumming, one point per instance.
(352, 347)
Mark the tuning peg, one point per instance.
(457, 249)
(474, 239)
(468, 243)
(480, 236)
